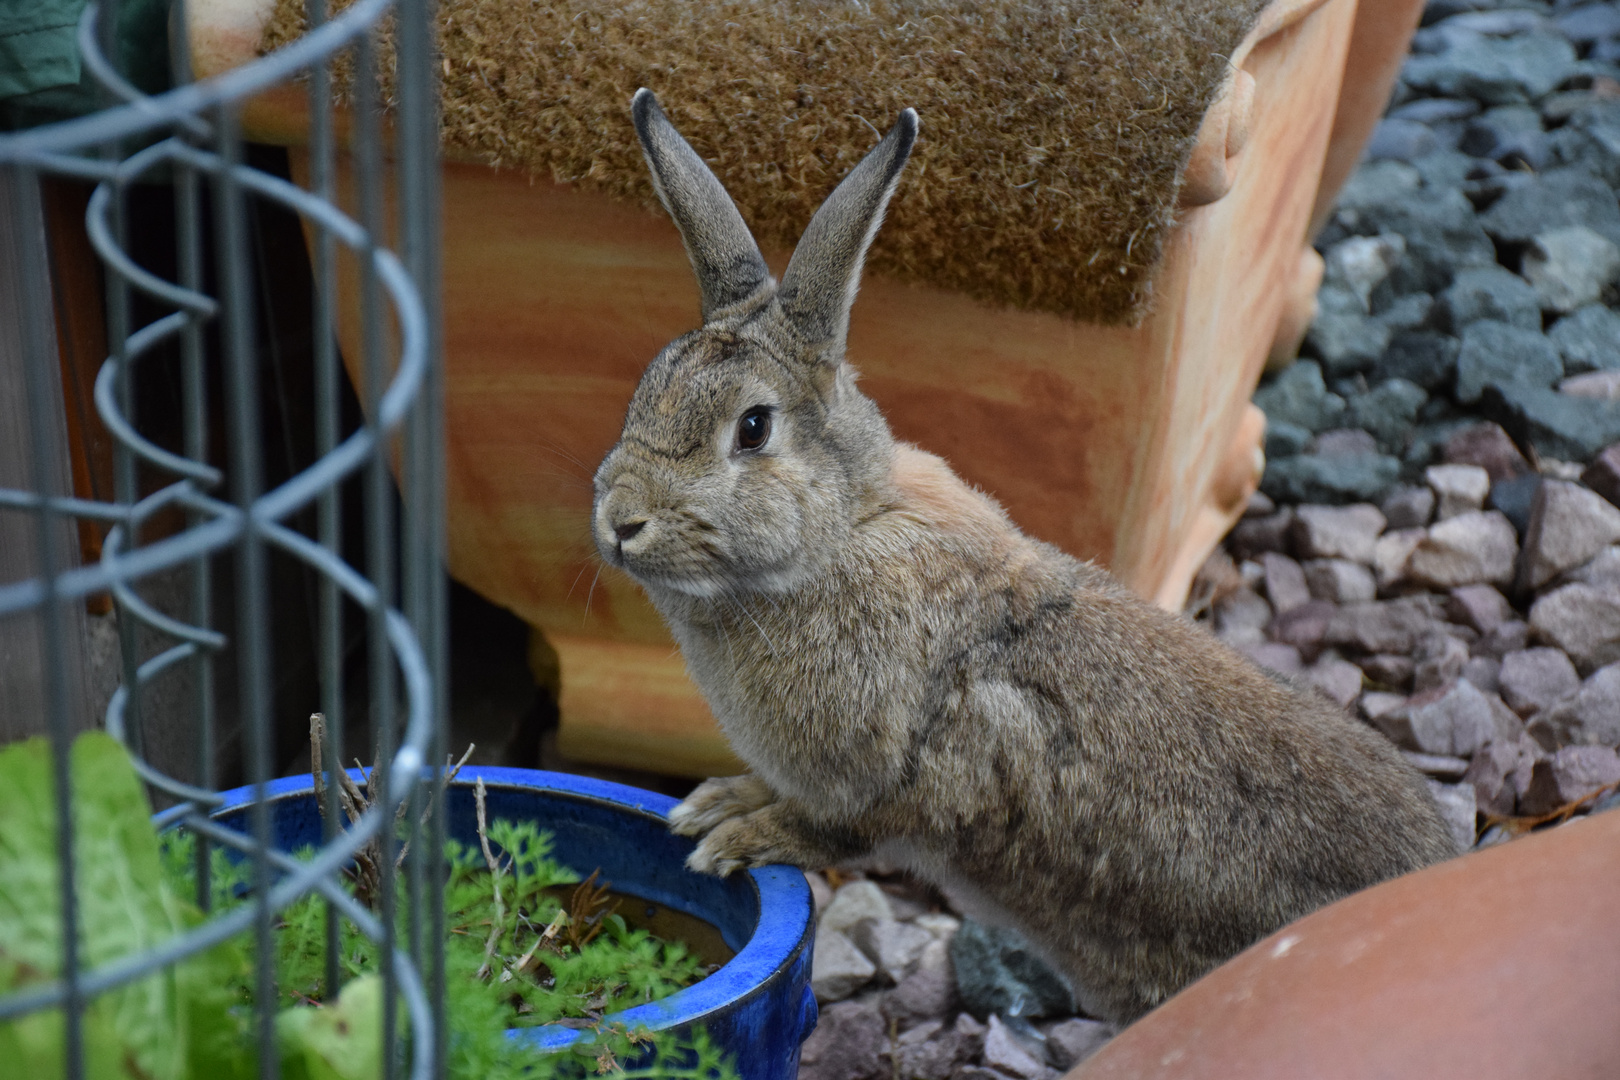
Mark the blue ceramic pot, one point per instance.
(759, 1006)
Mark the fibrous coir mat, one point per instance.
(1054, 132)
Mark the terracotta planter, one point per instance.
(1136, 447)
(1501, 964)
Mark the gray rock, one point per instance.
(1489, 292)
(1346, 343)
(1495, 71)
(1252, 536)
(1285, 582)
(1590, 140)
(1360, 264)
(1383, 626)
(1285, 440)
(1315, 478)
(1465, 550)
(1300, 396)
(1337, 532)
(1436, 110)
(1570, 267)
(998, 971)
(1406, 313)
(1400, 140)
(1588, 340)
(1422, 357)
(1439, 660)
(1275, 656)
(1241, 616)
(1388, 412)
(1339, 581)
(1376, 703)
(1532, 679)
(1481, 607)
(1408, 508)
(1446, 167)
(1069, 1042)
(1572, 773)
(1343, 442)
(1553, 200)
(1557, 425)
(854, 901)
(1456, 803)
(1392, 553)
(1569, 526)
(1515, 497)
(929, 990)
(1441, 230)
(1005, 1052)
(849, 1043)
(1440, 766)
(1603, 385)
(1338, 680)
(1454, 719)
(929, 1051)
(941, 925)
(1484, 673)
(838, 968)
(1393, 672)
(1458, 489)
(1586, 25)
(1380, 183)
(820, 891)
(1487, 446)
(1498, 772)
(891, 945)
(1496, 353)
(1603, 474)
(1581, 620)
(1587, 716)
(1511, 636)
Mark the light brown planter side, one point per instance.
(1136, 447)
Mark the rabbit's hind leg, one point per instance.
(717, 800)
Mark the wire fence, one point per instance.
(212, 479)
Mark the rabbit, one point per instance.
(907, 675)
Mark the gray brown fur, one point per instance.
(904, 671)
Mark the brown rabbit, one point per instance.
(904, 672)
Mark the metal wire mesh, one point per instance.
(190, 138)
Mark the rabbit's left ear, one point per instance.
(728, 264)
(819, 286)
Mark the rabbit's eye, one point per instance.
(754, 428)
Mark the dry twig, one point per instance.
(498, 924)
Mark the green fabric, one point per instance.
(37, 50)
(42, 79)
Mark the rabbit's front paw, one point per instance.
(718, 800)
(739, 843)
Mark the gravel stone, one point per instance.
(1481, 607)
(1436, 110)
(1005, 1052)
(1300, 396)
(1391, 554)
(941, 925)
(1570, 267)
(999, 971)
(1441, 230)
(1603, 385)
(1532, 679)
(1557, 425)
(1383, 626)
(854, 901)
(1400, 140)
(1487, 446)
(1439, 660)
(1422, 357)
(1602, 572)
(1337, 532)
(1586, 25)
(1343, 442)
(1303, 628)
(1514, 498)
(1588, 340)
(1285, 440)
(1589, 716)
(1552, 200)
(1499, 771)
(1388, 413)
(848, 1044)
(1389, 670)
(1069, 1042)
(1494, 71)
(1489, 292)
(929, 990)
(891, 945)
(1241, 616)
(1465, 550)
(1285, 582)
(1339, 679)
(1316, 478)
(1511, 636)
(1275, 656)
(1408, 508)
(1454, 719)
(1360, 264)
(1376, 703)
(838, 968)
(1581, 620)
(1252, 536)
(929, 1051)
(1457, 807)
(1339, 581)
(1569, 525)
(1484, 672)
(1571, 773)
(1458, 489)
(1346, 342)
(1496, 353)
(1440, 766)
(1405, 313)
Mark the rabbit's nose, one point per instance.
(628, 529)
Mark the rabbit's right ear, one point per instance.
(729, 267)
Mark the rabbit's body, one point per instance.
(904, 671)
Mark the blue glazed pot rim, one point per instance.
(785, 905)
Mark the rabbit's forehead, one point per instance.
(705, 377)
